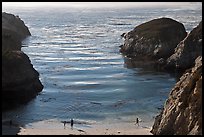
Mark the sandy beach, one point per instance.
(91, 131)
(54, 127)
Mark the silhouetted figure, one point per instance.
(137, 121)
(72, 123)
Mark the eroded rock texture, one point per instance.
(182, 113)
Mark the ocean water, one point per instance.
(85, 77)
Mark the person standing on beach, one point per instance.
(64, 123)
(137, 121)
(72, 123)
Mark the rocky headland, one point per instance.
(163, 43)
(20, 81)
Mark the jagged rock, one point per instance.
(20, 81)
(154, 39)
(182, 112)
(123, 35)
(187, 50)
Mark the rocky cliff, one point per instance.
(20, 81)
(182, 113)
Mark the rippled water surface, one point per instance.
(76, 52)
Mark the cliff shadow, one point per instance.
(146, 66)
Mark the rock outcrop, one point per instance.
(163, 43)
(182, 113)
(20, 81)
(14, 24)
(13, 32)
(153, 40)
(187, 50)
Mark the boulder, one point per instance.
(187, 50)
(182, 112)
(154, 39)
(20, 81)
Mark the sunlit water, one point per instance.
(76, 52)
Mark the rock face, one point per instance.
(20, 81)
(187, 50)
(154, 39)
(182, 113)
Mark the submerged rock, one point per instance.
(20, 81)
(187, 50)
(182, 112)
(154, 39)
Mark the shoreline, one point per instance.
(55, 127)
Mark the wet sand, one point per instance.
(92, 131)
(56, 127)
(99, 128)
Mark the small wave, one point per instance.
(119, 24)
